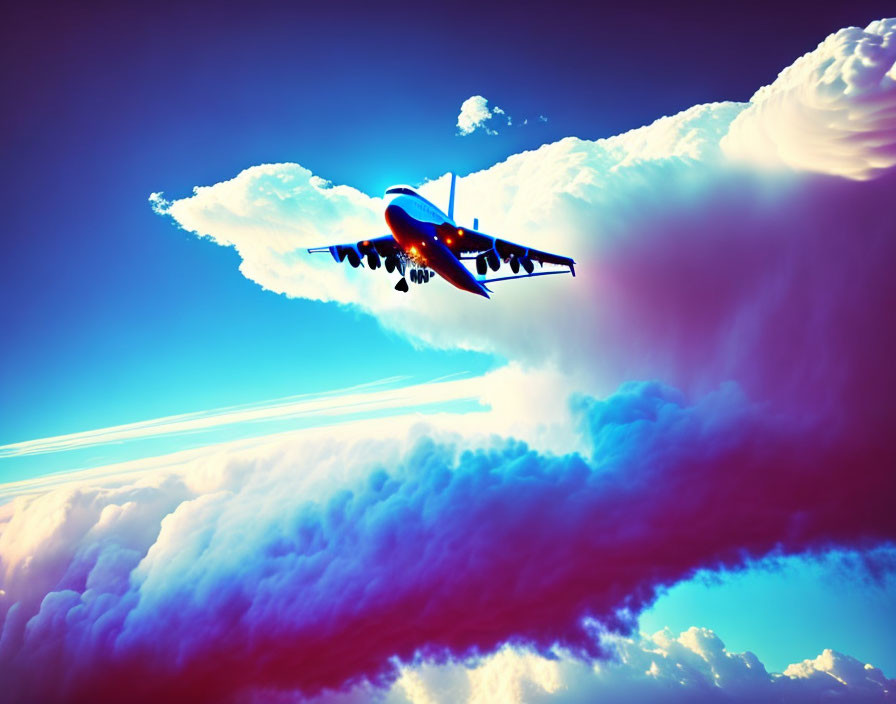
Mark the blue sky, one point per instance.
(111, 315)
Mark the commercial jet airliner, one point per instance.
(425, 242)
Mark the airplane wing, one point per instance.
(490, 251)
(376, 251)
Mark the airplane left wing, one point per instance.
(376, 251)
(490, 251)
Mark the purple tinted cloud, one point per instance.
(442, 555)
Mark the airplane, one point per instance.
(426, 242)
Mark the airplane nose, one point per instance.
(393, 215)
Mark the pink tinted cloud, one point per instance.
(443, 555)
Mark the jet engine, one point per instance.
(481, 265)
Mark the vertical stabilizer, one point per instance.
(451, 197)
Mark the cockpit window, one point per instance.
(400, 190)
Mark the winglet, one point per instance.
(451, 197)
(333, 250)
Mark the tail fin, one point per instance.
(451, 197)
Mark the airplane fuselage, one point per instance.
(416, 225)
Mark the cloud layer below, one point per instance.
(311, 564)
(663, 668)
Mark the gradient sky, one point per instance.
(112, 315)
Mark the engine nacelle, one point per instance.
(481, 265)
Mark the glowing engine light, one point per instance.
(460, 233)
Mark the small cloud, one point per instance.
(474, 114)
(499, 111)
(159, 204)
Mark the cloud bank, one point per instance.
(314, 565)
(832, 111)
(691, 667)
(760, 294)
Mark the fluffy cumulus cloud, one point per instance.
(475, 114)
(692, 667)
(760, 293)
(309, 565)
(831, 111)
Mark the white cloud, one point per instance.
(832, 111)
(693, 666)
(475, 114)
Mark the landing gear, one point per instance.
(417, 276)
